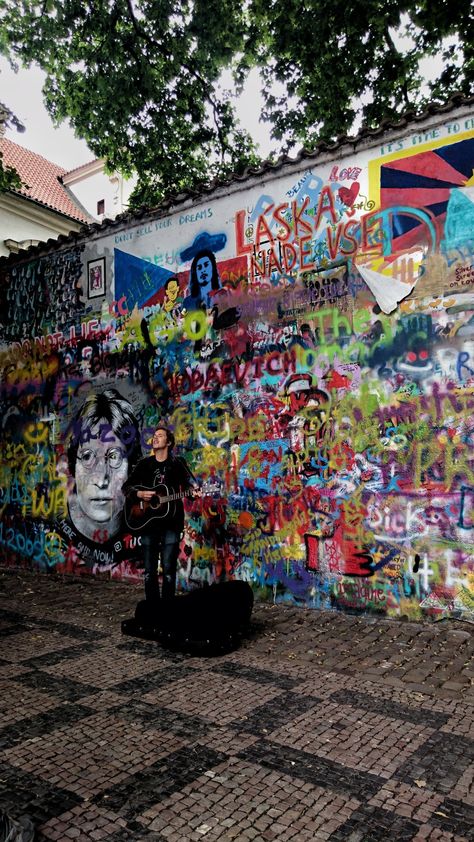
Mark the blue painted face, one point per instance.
(204, 272)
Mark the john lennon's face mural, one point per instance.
(101, 470)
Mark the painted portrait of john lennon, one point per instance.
(103, 447)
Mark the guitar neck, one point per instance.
(178, 496)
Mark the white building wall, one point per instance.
(24, 222)
(92, 185)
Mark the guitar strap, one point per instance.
(184, 464)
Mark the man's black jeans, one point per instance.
(165, 546)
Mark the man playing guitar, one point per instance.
(154, 507)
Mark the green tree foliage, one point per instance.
(364, 59)
(9, 178)
(140, 80)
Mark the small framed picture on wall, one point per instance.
(96, 278)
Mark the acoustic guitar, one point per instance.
(139, 513)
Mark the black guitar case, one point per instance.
(208, 621)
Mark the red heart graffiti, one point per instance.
(349, 195)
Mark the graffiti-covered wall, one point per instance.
(308, 333)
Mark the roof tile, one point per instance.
(42, 179)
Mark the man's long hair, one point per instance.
(194, 288)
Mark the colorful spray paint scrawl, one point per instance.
(312, 347)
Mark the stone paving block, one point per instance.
(320, 726)
(18, 703)
(157, 781)
(33, 642)
(452, 815)
(360, 740)
(416, 801)
(24, 793)
(274, 713)
(256, 674)
(428, 833)
(150, 649)
(441, 759)
(102, 669)
(241, 810)
(50, 719)
(214, 697)
(99, 699)
(5, 622)
(50, 658)
(8, 670)
(248, 659)
(463, 790)
(129, 835)
(170, 721)
(62, 688)
(158, 676)
(370, 824)
(225, 740)
(85, 820)
(55, 626)
(387, 707)
(99, 749)
(310, 768)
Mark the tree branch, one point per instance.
(141, 33)
(391, 45)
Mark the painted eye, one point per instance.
(423, 355)
(115, 458)
(87, 457)
(411, 356)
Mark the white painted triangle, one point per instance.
(388, 291)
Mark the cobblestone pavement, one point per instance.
(320, 726)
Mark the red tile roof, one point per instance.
(82, 166)
(42, 178)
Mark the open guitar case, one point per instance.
(207, 621)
